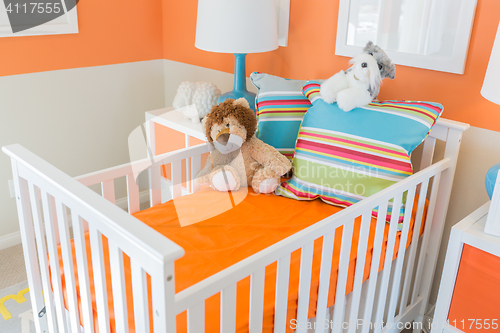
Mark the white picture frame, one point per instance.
(64, 24)
(283, 19)
(453, 64)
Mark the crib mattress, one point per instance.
(250, 223)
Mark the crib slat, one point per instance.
(360, 268)
(154, 185)
(389, 252)
(188, 163)
(83, 272)
(55, 228)
(132, 195)
(28, 245)
(99, 278)
(50, 221)
(257, 282)
(196, 318)
(426, 236)
(345, 253)
(118, 286)
(280, 306)
(108, 190)
(69, 274)
(140, 297)
(324, 280)
(41, 247)
(306, 258)
(163, 290)
(413, 246)
(195, 170)
(427, 152)
(176, 179)
(401, 253)
(377, 251)
(228, 310)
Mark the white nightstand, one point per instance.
(180, 129)
(467, 287)
(173, 119)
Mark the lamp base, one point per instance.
(492, 225)
(235, 94)
(491, 178)
(240, 85)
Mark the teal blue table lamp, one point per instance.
(491, 91)
(239, 27)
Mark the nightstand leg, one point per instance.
(150, 136)
(188, 164)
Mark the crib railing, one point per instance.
(153, 166)
(193, 298)
(47, 200)
(51, 205)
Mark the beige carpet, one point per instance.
(12, 269)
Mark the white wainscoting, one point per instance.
(77, 119)
(177, 72)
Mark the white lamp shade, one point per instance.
(236, 26)
(491, 84)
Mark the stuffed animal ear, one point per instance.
(392, 74)
(204, 124)
(241, 101)
(369, 47)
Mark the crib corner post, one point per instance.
(163, 286)
(438, 219)
(29, 249)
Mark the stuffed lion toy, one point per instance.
(239, 158)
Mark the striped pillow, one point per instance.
(343, 157)
(280, 106)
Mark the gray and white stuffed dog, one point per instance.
(355, 87)
(360, 84)
(385, 65)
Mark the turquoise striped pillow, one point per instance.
(343, 157)
(280, 107)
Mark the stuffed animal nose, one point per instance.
(233, 143)
(364, 65)
(222, 132)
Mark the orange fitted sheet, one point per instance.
(218, 242)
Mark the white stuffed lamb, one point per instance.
(195, 99)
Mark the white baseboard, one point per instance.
(15, 237)
(10, 240)
(123, 204)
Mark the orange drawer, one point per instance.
(475, 304)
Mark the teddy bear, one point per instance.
(238, 158)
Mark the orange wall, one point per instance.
(311, 54)
(111, 32)
(115, 31)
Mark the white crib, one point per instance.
(49, 202)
